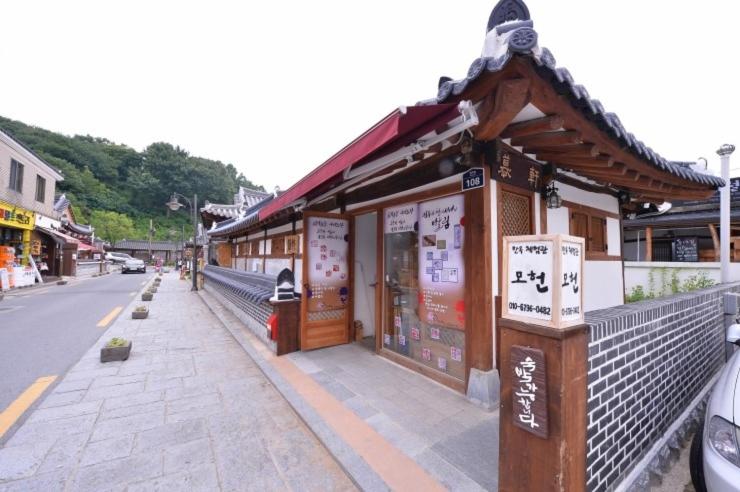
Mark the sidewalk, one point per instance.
(188, 411)
(389, 427)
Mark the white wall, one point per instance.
(638, 273)
(365, 271)
(602, 285)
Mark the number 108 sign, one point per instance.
(473, 178)
(543, 280)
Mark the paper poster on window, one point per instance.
(441, 265)
(328, 275)
(570, 296)
(401, 218)
(529, 279)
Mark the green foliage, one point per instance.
(673, 286)
(100, 175)
(111, 226)
(116, 342)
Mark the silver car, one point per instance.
(715, 451)
(133, 265)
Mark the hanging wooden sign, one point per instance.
(512, 167)
(529, 390)
(543, 279)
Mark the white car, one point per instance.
(715, 451)
(117, 258)
(133, 265)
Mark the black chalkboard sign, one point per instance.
(686, 249)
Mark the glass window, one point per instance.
(16, 176)
(423, 303)
(40, 189)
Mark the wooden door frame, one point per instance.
(349, 315)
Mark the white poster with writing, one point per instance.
(401, 218)
(571, 254)
(529, 279)
(441, 264)
(328, 251)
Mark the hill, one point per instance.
(110, 182)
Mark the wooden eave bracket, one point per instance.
(500, 107)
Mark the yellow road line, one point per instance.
(21, 404)
(109, 317)
(144, 282)
(132, 294)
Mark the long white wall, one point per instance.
(639, 273)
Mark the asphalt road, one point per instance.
(45, 330)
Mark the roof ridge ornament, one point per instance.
(506, 11)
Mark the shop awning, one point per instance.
(61, 238)
(399, 128)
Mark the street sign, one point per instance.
(473, 178)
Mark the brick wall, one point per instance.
(646, 362)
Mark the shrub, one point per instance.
(116, 342)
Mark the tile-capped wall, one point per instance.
(646, 362)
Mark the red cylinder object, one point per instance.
(272, 324)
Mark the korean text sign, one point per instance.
(543, 279)
(328, 251)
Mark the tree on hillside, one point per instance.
(111, 226)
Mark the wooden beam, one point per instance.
(549, 101)
(599, 161)
(499, 108)
(582, 150)
(547, 138)
(715, 241)
(648, 244)
(531, 127)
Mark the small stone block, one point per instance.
(139, 314)
(147, 296)
(110, 354)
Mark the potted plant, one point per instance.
(153, 289)
(140, 312)
(62, 281)
(115, 349)
(147, 296)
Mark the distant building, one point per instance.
(167, 251)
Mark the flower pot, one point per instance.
(153, 289)
(110, 354)
(147, 296)
(139, 314)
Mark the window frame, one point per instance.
(16, 176)
(592, 213)
(42, 181)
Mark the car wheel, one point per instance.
(696, 461)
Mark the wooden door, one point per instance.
(327, 278)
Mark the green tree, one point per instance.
(111, 226)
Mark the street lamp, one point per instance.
(175, 205)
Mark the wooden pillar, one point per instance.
(556, 462)
(715, 241)
(648, 244)
(288, 316)
(478, 277)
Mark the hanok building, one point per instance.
(215, 214)
(402, 228)
(167, 251)
(682, 230)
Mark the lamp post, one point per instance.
(724, 212)
(175, 205)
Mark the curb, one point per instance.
(352, 463)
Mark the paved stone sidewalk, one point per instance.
(188, 411)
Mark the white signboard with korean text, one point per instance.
(328, 252)
(401, 218)
(441, 263)
(543, 279)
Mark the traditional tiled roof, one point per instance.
(84, 230)
(511, 34)
(250, 216)
(255, 287)
(143, 245)
(243, 199)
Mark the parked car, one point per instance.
(715, 451)
(117, 258)
(133, 265)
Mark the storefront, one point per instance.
(16, 225)
(398, 236)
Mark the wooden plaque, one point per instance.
(529, 390)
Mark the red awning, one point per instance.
(397, 129)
